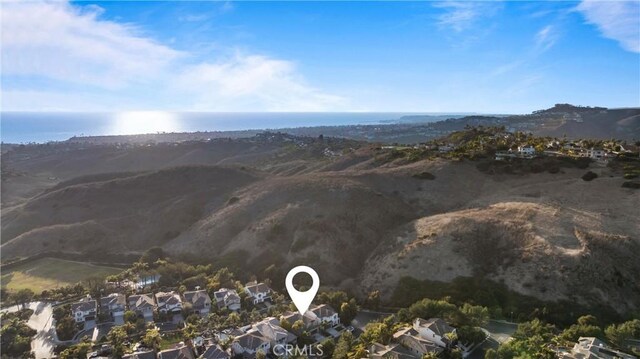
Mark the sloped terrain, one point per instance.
(362, 221)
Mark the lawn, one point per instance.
(49, 273)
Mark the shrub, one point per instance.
(630, 184)
(424, 175)
(589, 176)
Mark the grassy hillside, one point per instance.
(48, 273)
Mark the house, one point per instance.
(527, 151)
(249, 343)
(310, 320)
(199, 300)
(435, 330)
(142, 304)
(594, 348)
(227, 298)
(214, 351)
(180, 352)
(326, 314)
(114, 306)
(169, 302)
(596, 154)
(411, 339)
(84, 310)
(391, 351)
(151, 354)
(446, 148)
(258, 292)
(271, 330)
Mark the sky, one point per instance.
(451, 56)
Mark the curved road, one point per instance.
(45, 339)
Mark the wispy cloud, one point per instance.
(546, 38)
(66, 46)
(253, 81)
(462, 15)
(616, 20)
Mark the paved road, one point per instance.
(45, 340)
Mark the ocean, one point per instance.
(24, 127)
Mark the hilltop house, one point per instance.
(169, 302)
(590, 347)
(594, 153)
(84, 310)
(258, 292)
(227, 298)
(326, 314)
(249, 343)
(143, 305)
(526, 151)
(199, 301)
(114, 306)
(435, 330)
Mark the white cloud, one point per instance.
(253, 81)
(462, 15)
(58, 41)
(616, 20)
(106, 64)
(546, 38)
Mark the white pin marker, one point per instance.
(302, 300)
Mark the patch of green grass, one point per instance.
(49, 273)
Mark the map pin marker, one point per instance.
(302, 300)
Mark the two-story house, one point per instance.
(143, 305)
(258, 292)
(227, 298)
(435, 330)
(114, 306)
(199, 301)
(85, 309)
(169, 302)
(326, 314)
(249, 344)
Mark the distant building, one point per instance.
(527, 151)
(415, 343)
(594, 348)
(249, 344)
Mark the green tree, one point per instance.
(117, 336)
(66, 328)
(23, 297)
(152, 339)
(619, 334)
(130, 316)
(77, 351)
(328, 346)
(348, 311)
(491, 354)
(344, 346)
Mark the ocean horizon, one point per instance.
(40, 127)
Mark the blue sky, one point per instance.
(492, 57)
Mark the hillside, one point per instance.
(363, 218)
